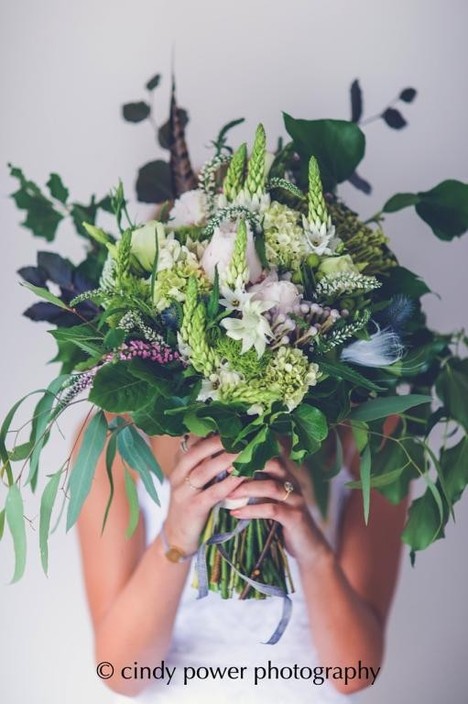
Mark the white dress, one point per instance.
(213, 633)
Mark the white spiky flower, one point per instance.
(252, 329)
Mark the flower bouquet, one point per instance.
(256, 306)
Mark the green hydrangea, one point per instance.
(171, 284)
(284, 237)
(249, 365)
(290, 373)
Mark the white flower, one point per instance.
(252, 329)
(211, 387)
(234, 299)
(219, 252)
(284, 295)
(189, 209)
(320, 237)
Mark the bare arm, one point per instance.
(133, 590)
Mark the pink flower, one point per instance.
(219, 252)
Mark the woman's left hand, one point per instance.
(303, 539)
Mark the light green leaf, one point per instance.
(424, 522)
(132, 497)
(2, 522)
(46, 295)
(383, 407)
(110, 457)
(47, 504)
(84, 468)
(365, 473)
(14, 513)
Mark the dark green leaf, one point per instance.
(41, 216)
(408, 95)
(262, 447)
(153, 82)
(445, 209)
(116, 390)
(356, 101)
(136, 112)
(342, 371)
(454, 464)
(393, 118)
(452, 389)
(47, 504)
(401, 280)
(360, 183)
(84, 468)
(424, 522)
(338, 146)
(57, 189)
(310, 429)
(400, 201)
(154, 183)
(83, 336)
(14, 513)
(114, 338)
(383, 407)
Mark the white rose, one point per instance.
(189, 209)
(337, 265)
(283, 294)
(144, 243)
(219, 252)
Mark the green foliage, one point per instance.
(383, 407)
(47, 503)
(338, 146)
(444, 208)
(452, 389)
(117, 390)
(137, 455)
(154, 184)
(14, 513)
(83, 471)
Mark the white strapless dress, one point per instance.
(218, 633)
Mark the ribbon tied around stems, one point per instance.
(267, 589)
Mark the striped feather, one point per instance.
(183, 177)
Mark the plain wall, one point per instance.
(66, 68)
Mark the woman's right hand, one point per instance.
(191, 499)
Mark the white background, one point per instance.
(66, 68)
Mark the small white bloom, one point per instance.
(189, 209)
(252, 329)
(320, 237)
(234, 299)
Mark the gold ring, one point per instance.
(192, 486)
(183, 444)
(289, 488)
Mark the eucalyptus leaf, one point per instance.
(14, 514)
(46, 295)
(153, 82)
(356, 101)
(383, 407)
(424, 522)
(47, 504)
(154, 183)
(134, 507)
(365, 474)
(94, 440)
(136, 112)
(393, 118)
(137, 455)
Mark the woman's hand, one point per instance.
(191, 499)
(303, 539)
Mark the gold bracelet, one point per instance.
(172, 552)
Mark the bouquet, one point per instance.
(257, 306)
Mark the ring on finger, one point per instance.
(288, 488)
(192, 486)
